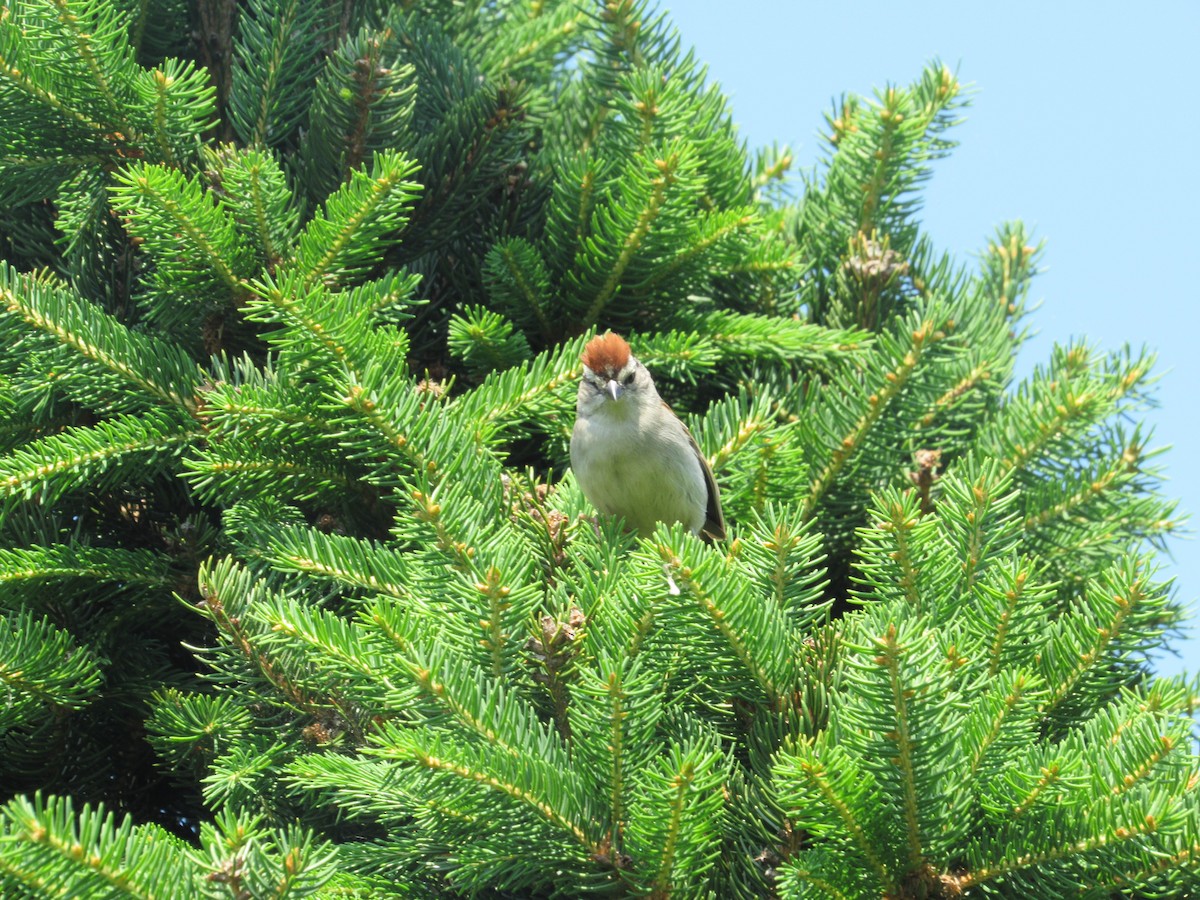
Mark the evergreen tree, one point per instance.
(300, 598)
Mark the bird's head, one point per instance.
(611, 373)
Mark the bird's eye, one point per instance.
(627, 378)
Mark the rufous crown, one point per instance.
(607, 353)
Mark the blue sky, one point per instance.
(1084, 123)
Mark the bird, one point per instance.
(632, 456)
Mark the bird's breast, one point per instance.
(628, 467)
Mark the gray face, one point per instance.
(599, 389)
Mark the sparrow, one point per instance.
(631, 455)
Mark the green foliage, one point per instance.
(293, 573)
(54, 672)
(990, 689)
(91, 854)
(278, 55)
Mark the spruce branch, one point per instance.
(362, 101)
(267, 468)
(174, 215)
(534, 782)
(614, 712)
(572, 202)
(550, 656)
(126, 448)
(525, 43)
(341, 655)
(1062, 403)
(647, 193)
(629, 36)
(277, 60)
(179, 102)
(267, 404)
(311, 323)
(711, 235)
(486, 341)
(519, 282)
(102, 32)
(508, 398)
(192, 729)
(904, 356)
(746, 336)
(389, 299)
(42, 667)
(1124, 606)
(1008, 268)
(348, 561)
(97, 109)
(351, 232)
(88, 42)
(676, 816)
(155, 368)
(23, 81)
(836, 795)
(784, 557)
(1003, 721)
(895, 550)
(236, 603)
(758, 636)
(254, 189)
(890, 651)
(89, 851)
(246, 858)
(1011, 609)
(978, 517)
(58, 562)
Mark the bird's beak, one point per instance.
(614, 389)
